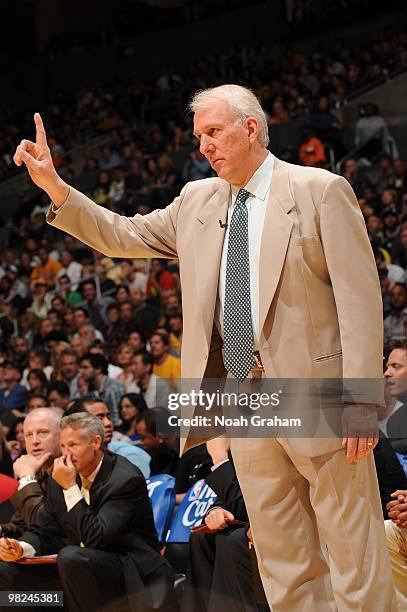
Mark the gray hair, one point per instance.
(242, 101)
(86, 422)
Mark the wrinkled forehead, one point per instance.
(217, 112)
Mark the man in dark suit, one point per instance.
(394, 425)
(99, 521)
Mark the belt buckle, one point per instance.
(258, 369)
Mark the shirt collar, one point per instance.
(259, 184)
(95, 472)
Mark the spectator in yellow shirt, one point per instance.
(165, 365)
(47, 269)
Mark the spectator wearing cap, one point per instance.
(48, 268)
(391, 229)
(13, 397)
(394, 323)
(94, 370)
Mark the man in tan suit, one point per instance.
(309, 307)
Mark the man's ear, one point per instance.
(252, 128)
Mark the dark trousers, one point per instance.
(219, 575)
(92, 580)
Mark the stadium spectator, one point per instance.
(130, 406)
(124, 357)
(13, 396)
(47, 269)
(393, 421)
(36, 400)
(94, 369)
(154, 389)
(69, 365)
(58, 394)
(66, 292)
(41, 299)
(70, 268)
(160, 279)
(311, 151)
(37, 382)
(395, 322)
(165, 365)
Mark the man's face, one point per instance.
(80, 318)
(101, 411)
(43, 255)
(56, 399)
(11, 374)
(87, 333)
(87, 371)
(46, 327)
(135, 341)
(41, 434)
(69, 367)
(398, 297)
(126, 312)
(66, 258)
(396, 373)
(149, 442)
(21, 346)
(138, 369)
(158, 348)
(82, 448)
(78, 346)
(34, 403)
(88, 292)
(125, 269)
(172, 302)
(224, 142)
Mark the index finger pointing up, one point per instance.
(41, 137)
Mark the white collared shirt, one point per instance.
(259, 187)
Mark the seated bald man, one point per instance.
(41, 434)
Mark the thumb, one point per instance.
(228, 515)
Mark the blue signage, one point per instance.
(191, 511)
(161, 491)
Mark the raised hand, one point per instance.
(64, 472)
(28, 465)
(37, 158)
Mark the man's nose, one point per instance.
(205, 145)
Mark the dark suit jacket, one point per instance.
(390, 473)
(119, 519)
(223, 481)
(397, 430)
(27, 503)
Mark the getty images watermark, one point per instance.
(219, 400)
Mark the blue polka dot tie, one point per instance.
(237, 314)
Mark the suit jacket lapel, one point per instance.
(208, 252)
(275, 237)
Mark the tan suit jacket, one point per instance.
(320, 300)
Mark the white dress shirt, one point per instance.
(259, 187)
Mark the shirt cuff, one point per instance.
(72, 496)
(215, 467)
(23, 483)
(28, 550)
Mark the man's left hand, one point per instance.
(64, 472)
(360, 431)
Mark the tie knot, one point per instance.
(242, 197)
(86, 483)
